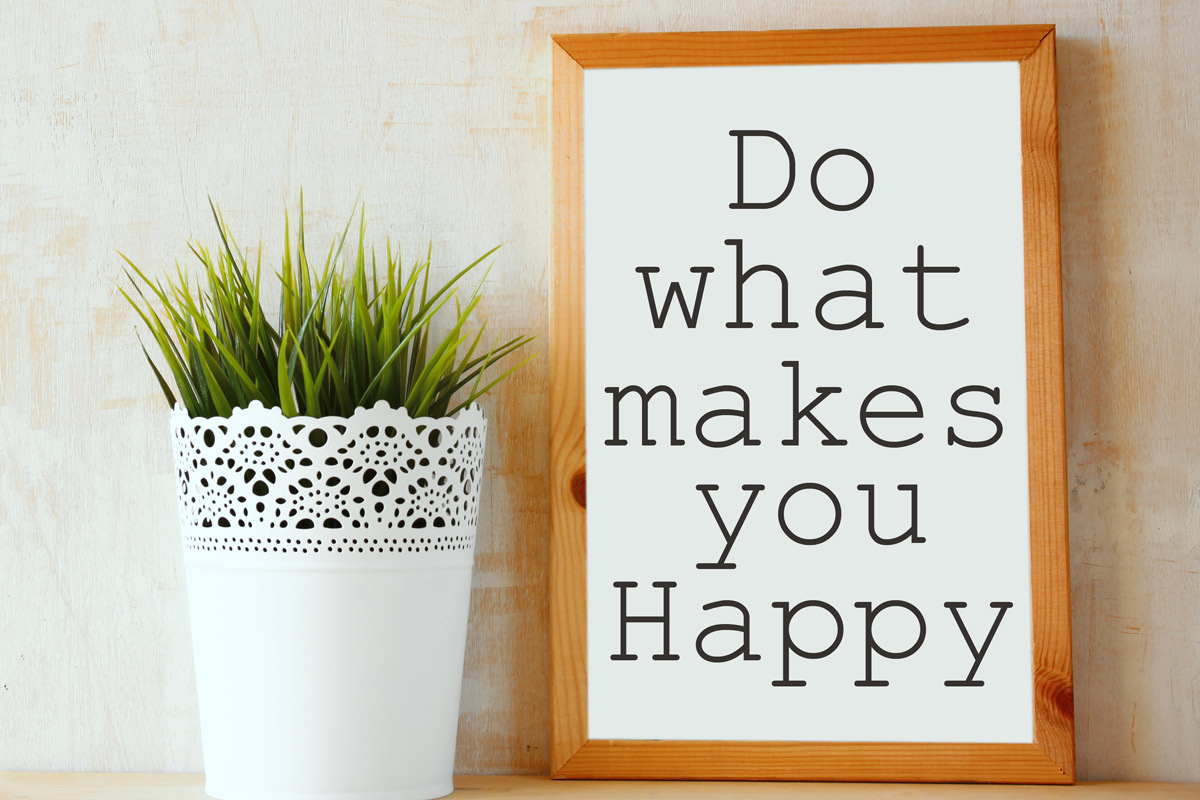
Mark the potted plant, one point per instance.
(329, 466)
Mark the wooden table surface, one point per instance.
(166, 786)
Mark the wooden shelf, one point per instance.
(168, 786)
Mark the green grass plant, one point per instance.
(349, 331)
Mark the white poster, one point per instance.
(806, 415)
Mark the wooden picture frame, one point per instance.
(1050, 758)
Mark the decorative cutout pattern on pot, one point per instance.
(377, 481)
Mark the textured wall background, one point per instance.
(117, 119)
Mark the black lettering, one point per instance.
(911, 488)
(743, 276)
(920, 270)
(866, 167)
(865, 414)
(800, 413)
(741, 197)
(790, 646)
(730, 538)
(976, 654)
(873, 646)
(743, 413)
(619, 394)
(664, 619)
(865, 295)
(837, 513)
(953, 438)
(744, 628)
(674, 293)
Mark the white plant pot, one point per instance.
(329, 571)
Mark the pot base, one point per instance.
(323, 682)
(430, 792)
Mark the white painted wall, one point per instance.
(116, 120)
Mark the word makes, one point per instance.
(870, 416)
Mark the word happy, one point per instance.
(790, 621)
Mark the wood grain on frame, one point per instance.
(1050, 758)
(846, 46)
(568, 499)
(1053, 693)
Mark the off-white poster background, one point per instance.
(660, 173)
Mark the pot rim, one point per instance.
(473, 412)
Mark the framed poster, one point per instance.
(808, 470)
